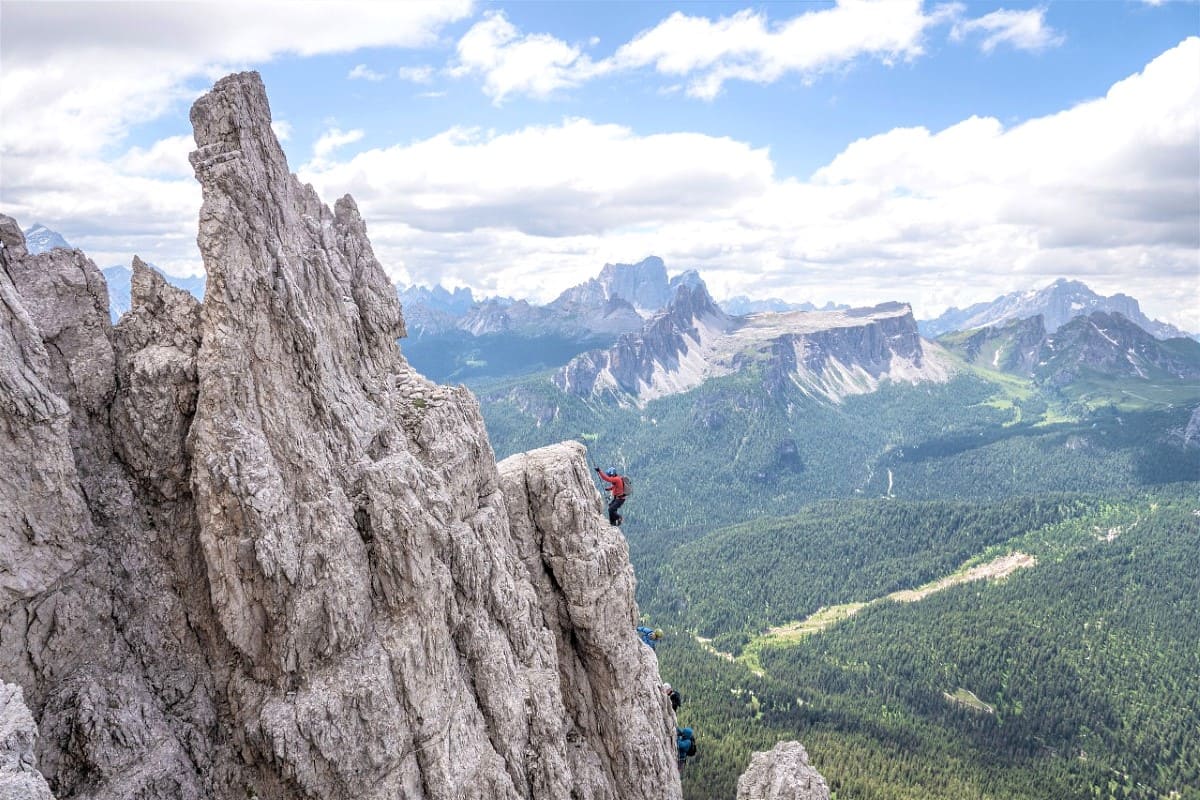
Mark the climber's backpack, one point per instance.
(691, 751)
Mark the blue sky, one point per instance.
(936, 153)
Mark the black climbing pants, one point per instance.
(616, 503)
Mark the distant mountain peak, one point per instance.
(1103, 343)
(1058, 303)
(40, 239)
(644, 285)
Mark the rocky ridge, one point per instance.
(248, 551)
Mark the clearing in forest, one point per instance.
(827, 616)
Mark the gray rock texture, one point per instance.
(247, 551)
(782, 774)
(19, 778)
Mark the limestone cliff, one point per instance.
(19, 777)
(823, 354)
(247, 551)
(782, 774)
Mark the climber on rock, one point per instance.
(685, 743)
(650, 636)
(672, 695)
(616, 485)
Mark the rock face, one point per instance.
(824, 354)
(248, 551)
(782, 774)
(669, 354)
(19, 778)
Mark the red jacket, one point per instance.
(616, 483)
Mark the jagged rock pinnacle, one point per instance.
(782, 774)
(279, 562)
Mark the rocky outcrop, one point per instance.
(782, 774)
(19, 776)
(248, 551)
(1191, 431)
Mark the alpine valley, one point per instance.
(953, 561)
(955, 558)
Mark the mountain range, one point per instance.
(826, 354)
(1058, 303)
(622, 297)
(1100, 343)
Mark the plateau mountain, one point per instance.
(825, 354)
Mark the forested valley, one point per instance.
(772, 534)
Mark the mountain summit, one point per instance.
(1058, 304)
(40, 239)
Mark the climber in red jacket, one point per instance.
(616, 485)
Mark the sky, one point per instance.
(861, 151)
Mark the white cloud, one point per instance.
(364, 73)
(78, 75)
(748, 47)
(415, 74)
(575, 178)
(1023, 30)
(167, 156)
(282, 129)
(1104, 191)
(512, 63)
(331, 140)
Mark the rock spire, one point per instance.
(249, 552)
